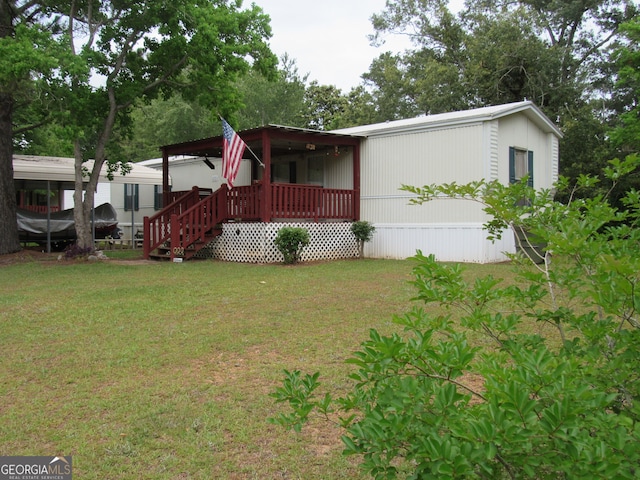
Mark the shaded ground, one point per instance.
(28, 255)
(35, 254)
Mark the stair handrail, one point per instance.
(193, 224)
(155, 231)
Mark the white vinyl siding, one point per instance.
(519, 132)
(448, 242)
(450, 229)
(339, 171)
(418, 159)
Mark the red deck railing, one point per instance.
(311, 202)
(243, 203)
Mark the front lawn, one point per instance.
(159, 370)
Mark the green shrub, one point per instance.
(290, 241)
(363, 231)
(535, 380)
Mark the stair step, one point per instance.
(164, 253)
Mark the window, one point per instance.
(283, 172)
(131, 197)
(520, 165)
(157, 197)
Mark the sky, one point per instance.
(328, 38)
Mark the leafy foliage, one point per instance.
(273, 101)
(324, 104)
(290, 241)
(363, 230)
(117, 54)
(497, 51)
(533, 380)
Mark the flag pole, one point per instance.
(255, 156)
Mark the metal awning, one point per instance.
(60, 169)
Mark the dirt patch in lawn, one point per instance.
(34, 254)
(27, 255)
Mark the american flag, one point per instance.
(232, 151)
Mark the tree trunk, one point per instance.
(9, 241)
(83, 207)
(82, 211)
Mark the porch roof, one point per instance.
(282, 139)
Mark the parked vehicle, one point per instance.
(60, 226)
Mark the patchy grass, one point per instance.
(159, 370)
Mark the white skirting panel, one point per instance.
(458, 242)
(254, 242)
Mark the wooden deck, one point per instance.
(194, 217)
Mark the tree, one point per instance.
(361, 109)
(265, 100)
(199, 47)
(23, 71)
(626, 135)
(277, 101)
(363, 231)
(163, 121)
(614, 129)
(499, 51)
(510, 62)
(8, 227)
(536, 379)
(323, 106)
(121, 53)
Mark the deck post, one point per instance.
(265, 204)
(356, 182)
(146, 238)
(166, 189)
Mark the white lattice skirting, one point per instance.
(254, 242)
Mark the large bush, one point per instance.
(537, 379)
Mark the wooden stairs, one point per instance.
(186, 226)
(163, 252)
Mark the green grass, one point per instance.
(163, 371)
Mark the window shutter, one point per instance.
(127, 198)
(157, 197)
(530, 168)
(512, 165)
(131, 197)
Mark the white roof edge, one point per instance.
(452, 119)
(157, 162)
(61, 169)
